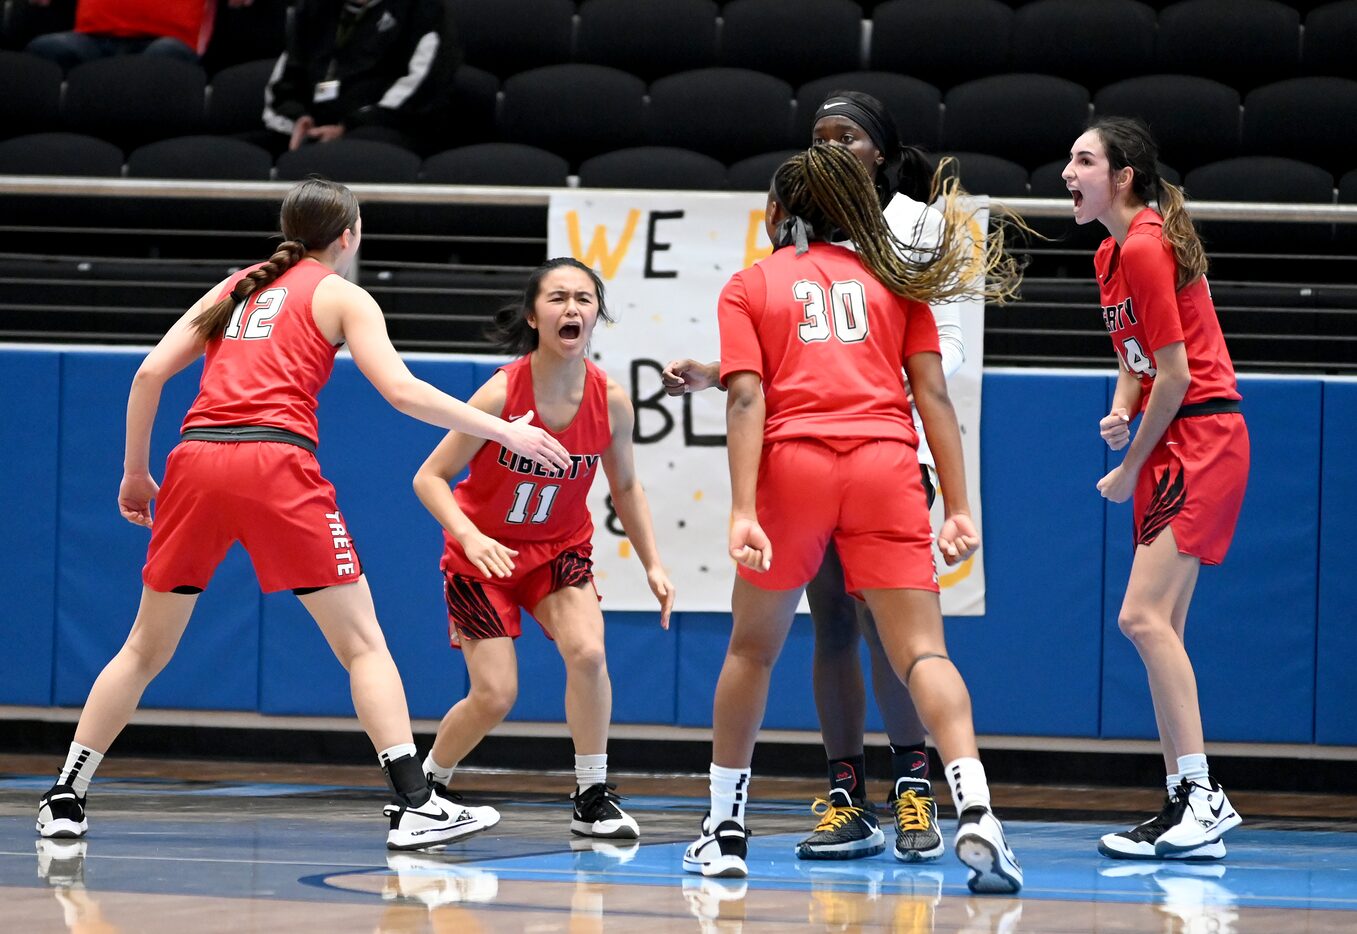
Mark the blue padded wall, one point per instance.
(1251, 628)
(99, 569)
(1032, 662)
(30, 382)
(1335, 684)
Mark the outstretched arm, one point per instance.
(681, 376)
(629, 498)
(364, 329)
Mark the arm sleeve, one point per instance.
(947, 319)
(424, 79)
(921, 334)
(1151, 276)
(740, 348)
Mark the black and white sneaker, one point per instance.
(434, 822)
(597, 814)
(980, 844)
(1206, 815)
(1140, 841)
(61, 813)
(845, 830)
(917, 837)
(719, 853)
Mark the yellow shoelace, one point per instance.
(912, 812)
(832, 816)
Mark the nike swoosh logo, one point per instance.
(831, 106)
(440, 814)
(1216, 809)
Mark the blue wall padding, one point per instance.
(1046, 660)
(1251, 628)
(30, 458)
(1032, 662)
(99, 567)
(1336, 677)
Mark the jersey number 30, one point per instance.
(847, 305)
(518, 512)
(263, 307)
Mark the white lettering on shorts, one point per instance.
(345, 565)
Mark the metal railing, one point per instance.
(1280, 311)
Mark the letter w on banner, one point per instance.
(664, 258)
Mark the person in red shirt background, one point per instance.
(1186, 468)
(815, 343)
(516, 536)
(245, 470)
(104, 28)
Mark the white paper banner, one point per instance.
(664, 258)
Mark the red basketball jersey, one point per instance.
(1144, 311)
(271, 361)
(512, 499)
(828, 341)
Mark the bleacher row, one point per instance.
(1293, 140)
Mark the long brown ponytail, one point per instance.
(1128, 144)
(315, 212)
(827, 188)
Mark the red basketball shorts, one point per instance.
(483, 608)
(809, 492)
(1194, 481)
(267, 495)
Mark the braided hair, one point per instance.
(315, 212)
(826, 189)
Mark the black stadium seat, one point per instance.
(38, 108)
(1089, 42)
(235, 98)
(943, 42)
(201, 157)
(131, 100)
(660, 167)
(1242, 43)
(796, 40)
(60, 154)
(649, 38)
(983, 174)
(727, 113)
(508, 36)
(1311, 119)
(1194, 120)
(756, 172)
(576, 111)
(1029, 119)
(1262, 178)
(915, 106)
(351, 161)
(1330, 39)
(493, 164)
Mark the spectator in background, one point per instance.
(374, 69)
(104, 28)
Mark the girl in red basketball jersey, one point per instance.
(1186, 467)
(246, 471)
(814, 340)
(519, 536)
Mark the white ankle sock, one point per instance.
(729, 794)
(591, 770)
(438, 773)
(1194, 768)
(392, 753)
(81, 762)
(969, 788)
(1171, 781)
